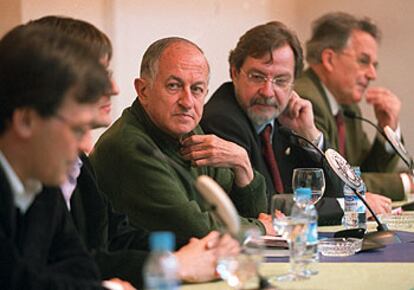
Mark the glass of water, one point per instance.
(294, 229)
(312, 178)
(241, 271)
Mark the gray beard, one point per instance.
(259, 120)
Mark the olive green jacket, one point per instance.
(375, 162)
(141, 170)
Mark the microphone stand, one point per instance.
(406, 159)
(382, 235)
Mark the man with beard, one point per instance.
(251, 109)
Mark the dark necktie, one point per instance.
(270, 158)
(340, 125)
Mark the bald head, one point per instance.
(151, 58)
(173, 85)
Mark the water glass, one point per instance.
(312, 178)
(241, 271)
(294, 230)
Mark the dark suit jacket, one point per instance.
(224, 117)
(40, 249)
(376, 164)
(119, 249)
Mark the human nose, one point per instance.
(186, 99)
(371, 72)
(114, 90)
(266, 89)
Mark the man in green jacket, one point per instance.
(148, 160)
(342, 58)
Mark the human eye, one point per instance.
(257, 78)
(364, 61)
(198, 90)
(174, 86)
(79, 132)
(282, 82)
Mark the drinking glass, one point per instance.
(294, 229)
(241, 271)
(312, 178)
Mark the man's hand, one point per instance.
(386, 105)
(379, 204)
(198, 259)
(210, 150)
(298, 116)
(117, 284)
(266, 220)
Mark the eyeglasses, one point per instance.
(78, 131)
(364, 61)
(283, 83)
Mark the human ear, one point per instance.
(23, 122)
(234, 73)
(328, 59)
(141, 88)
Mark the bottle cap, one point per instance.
(162, 241)
(303, 192)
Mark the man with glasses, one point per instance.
(250, 110)
(49, 88)
(342, 57)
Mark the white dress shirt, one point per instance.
(23, 193)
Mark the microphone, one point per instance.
(345, 172)
(224, 207)
(389, 136)
(286, 132)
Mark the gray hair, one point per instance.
(333, 30)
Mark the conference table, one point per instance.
(391, 267)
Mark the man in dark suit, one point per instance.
(263, 66)
(49, 87)
(342, 57)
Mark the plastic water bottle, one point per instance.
(354, 208)
(161, 267)
(310, 255)
(361, 208)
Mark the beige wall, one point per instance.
(10, 15)
(216, 25)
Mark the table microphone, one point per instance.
(389, 136)
(345, 172)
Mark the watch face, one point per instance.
(343, 169)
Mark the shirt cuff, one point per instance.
(318, 142)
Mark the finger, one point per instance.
(194, 147)
(211, 239)
(194, 155)
(194, 139)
